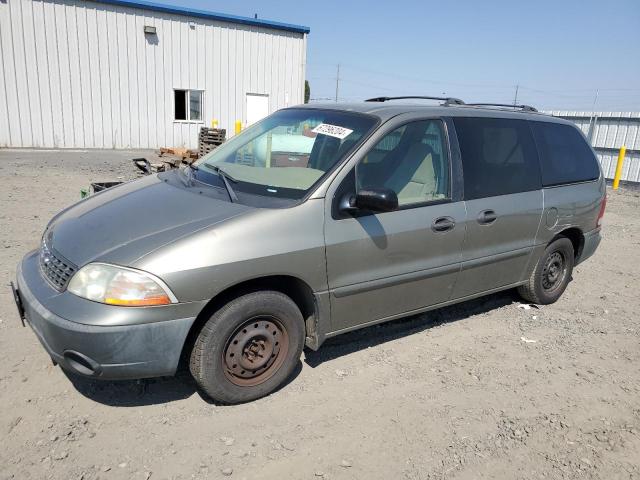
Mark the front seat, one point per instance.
(414, 179)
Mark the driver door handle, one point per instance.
(443, 224)
(487, 217)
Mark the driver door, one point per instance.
(384, 265)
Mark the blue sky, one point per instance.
(559, 51)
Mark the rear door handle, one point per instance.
(486, 217)
(443, 224)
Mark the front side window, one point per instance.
(412, 161)
(498, 157)
(188, 105)
(285, 154)
(565, 156)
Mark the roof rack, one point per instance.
(447, 100)
(524, 108)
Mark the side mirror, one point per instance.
(372, 200)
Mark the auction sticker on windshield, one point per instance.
(332, 131)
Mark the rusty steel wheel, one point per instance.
(553, 271)
(255, 351)
(249, 347)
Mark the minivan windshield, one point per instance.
(285, 154)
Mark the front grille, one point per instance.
(55, 268)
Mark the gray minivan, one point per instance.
(316, 221)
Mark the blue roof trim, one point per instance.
(193, 12)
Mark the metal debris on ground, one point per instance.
(144, 165)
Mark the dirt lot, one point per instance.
(456, 393)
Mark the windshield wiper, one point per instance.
(225, 179)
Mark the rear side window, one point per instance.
(498, 156)
(565, 156)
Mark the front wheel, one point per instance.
(552, 274)
(248, 348)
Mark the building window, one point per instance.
(188, 105)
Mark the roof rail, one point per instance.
(524, 108)
(447, 100)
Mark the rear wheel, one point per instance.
(248, 348)
(552, 274)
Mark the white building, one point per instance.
(134, 74)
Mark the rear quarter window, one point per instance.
(565, 156)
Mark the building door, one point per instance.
(382, 265)
(257, 107)
(503, 198)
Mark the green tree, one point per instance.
(307, 91)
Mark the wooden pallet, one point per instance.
(217, 134)
(209, 139)
(204, 149)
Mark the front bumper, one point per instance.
(109, 352)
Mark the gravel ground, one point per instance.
(455, 393)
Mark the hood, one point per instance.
(123, 223)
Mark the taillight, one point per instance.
(603, 205)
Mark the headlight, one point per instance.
(114, 285)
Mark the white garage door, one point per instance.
(257, 107)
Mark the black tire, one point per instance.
(248, 348)
(552, 274)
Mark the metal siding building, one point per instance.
(83, 74)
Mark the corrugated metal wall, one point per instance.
(608, 132)
(76, 74)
